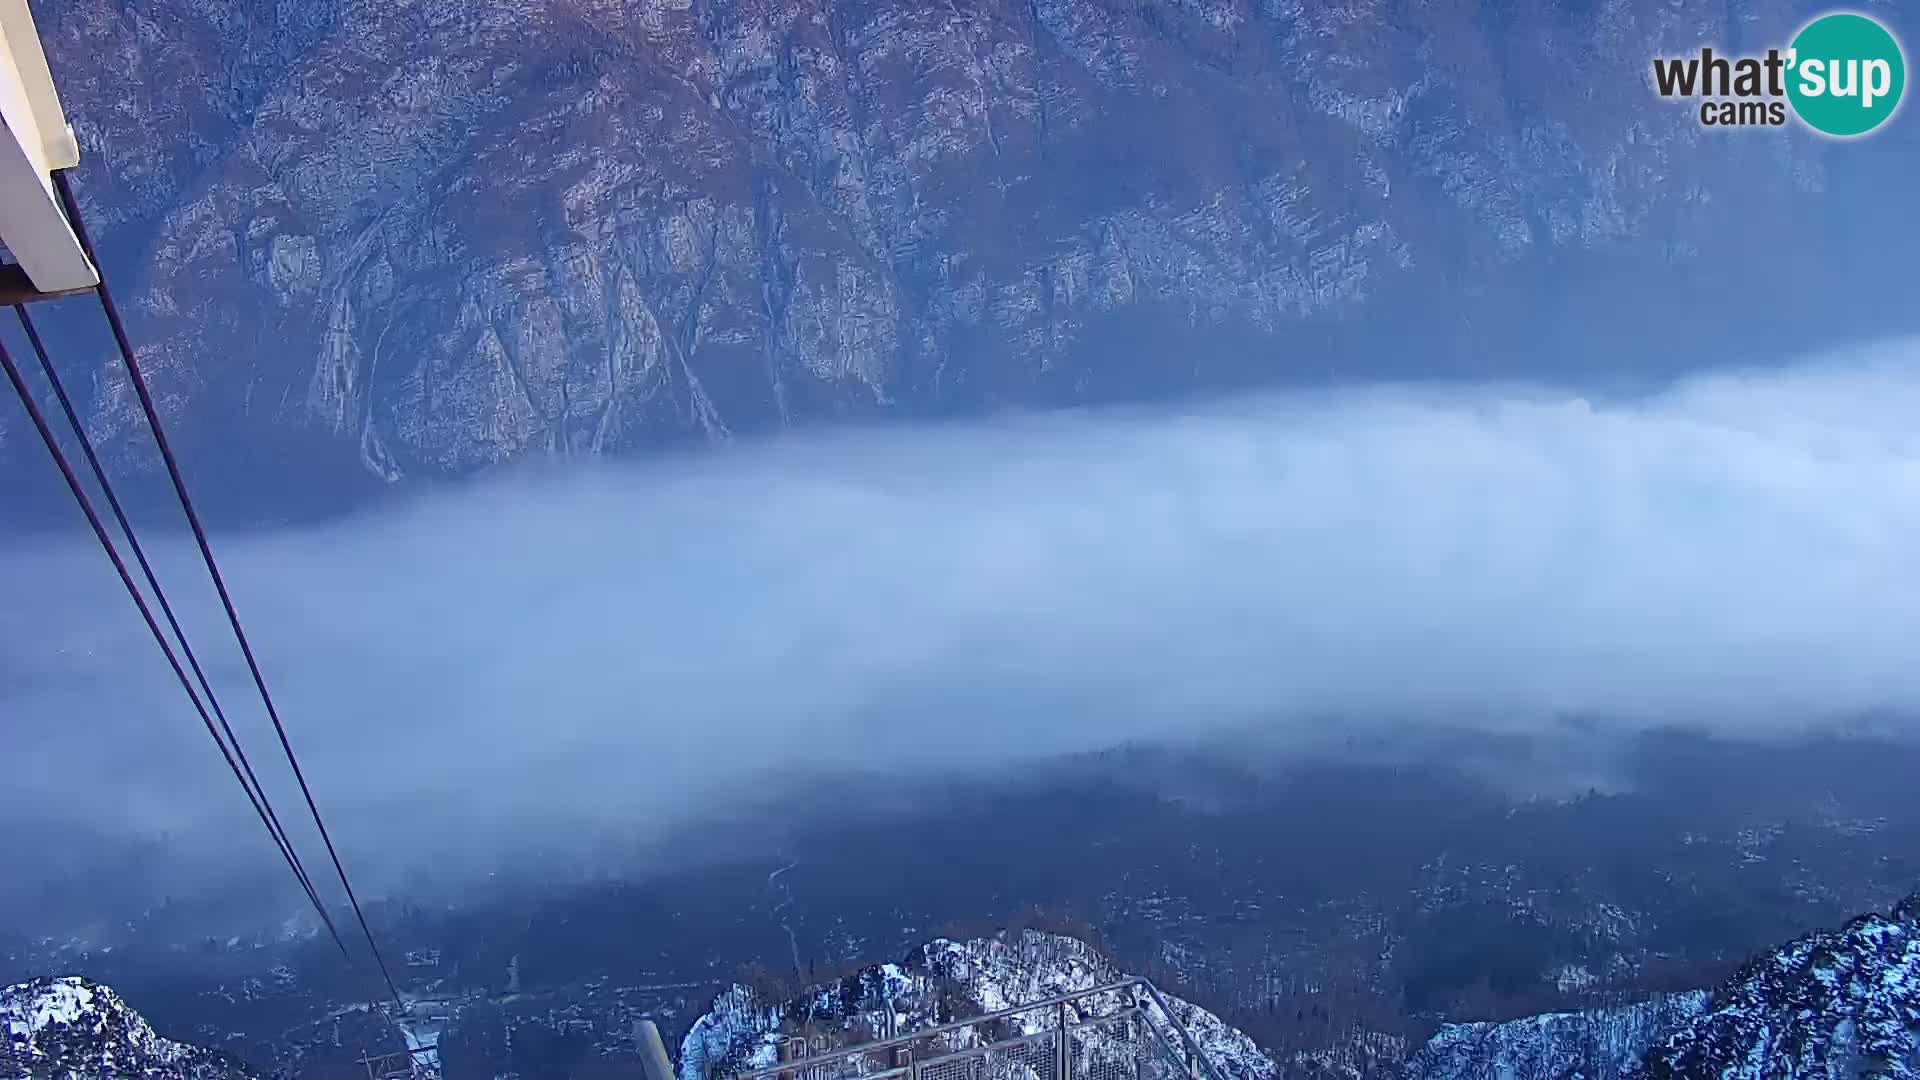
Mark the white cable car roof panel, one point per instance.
(36, 142)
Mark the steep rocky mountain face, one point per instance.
(393, 240)
(1835, 1003)
(58, 1029)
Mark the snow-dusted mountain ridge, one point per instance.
(941, 982)
(1834, 1003)
(73, 1028)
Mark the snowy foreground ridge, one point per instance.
(71, 1028)
(942, 981)
(1835, 1003)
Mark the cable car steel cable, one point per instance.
(72, 208)
(52, 256)
(262, 803)
(153, 626)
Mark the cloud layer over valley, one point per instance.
(628, 647)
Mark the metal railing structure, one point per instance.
(1120, 1031)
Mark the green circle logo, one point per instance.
(1845, 74)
